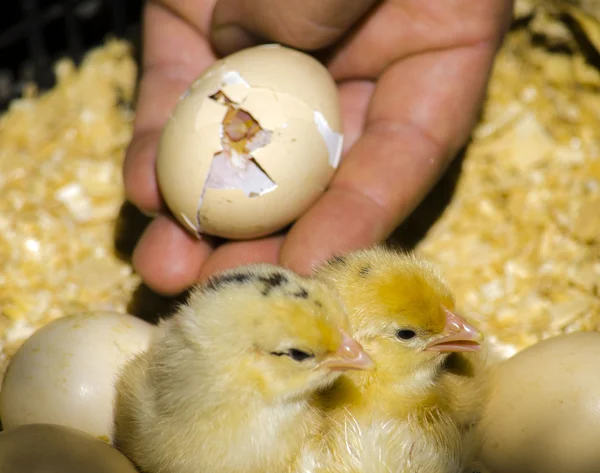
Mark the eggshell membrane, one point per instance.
(264, 82)
(544, 413)
(65, 372)
(299, 189)
(46, 448)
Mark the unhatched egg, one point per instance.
(46, 448)
(544, 412)
(65, 372)
(252, 144)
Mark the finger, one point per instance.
(175, 53)
(421, 113)
(236, 253)
(139, 174)
(355, 97)
(303, 24)
(168, 258)
(411, 27)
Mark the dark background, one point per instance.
(36, 33)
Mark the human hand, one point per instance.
(411, 75)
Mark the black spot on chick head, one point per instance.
(337, 260)
(364, 271)
(217, 282)
(272, 281)
(301, 294)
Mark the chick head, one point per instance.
(272, 330)
(401, 308)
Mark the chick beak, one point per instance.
(349, 356)
(458, 336)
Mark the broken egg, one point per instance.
(252, 144)
(65, 373)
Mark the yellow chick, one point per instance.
(417, 411)
(228, 384)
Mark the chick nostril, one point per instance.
(454, 326)
(350, 348)
(351, 351)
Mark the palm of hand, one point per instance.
(411, 79)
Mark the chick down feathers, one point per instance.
(228, 383)
(417, 411)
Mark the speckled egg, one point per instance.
(252, 144)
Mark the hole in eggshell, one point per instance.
(251, 179)
(234, 167)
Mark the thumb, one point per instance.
(301, 24)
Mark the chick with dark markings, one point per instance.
(229, 383)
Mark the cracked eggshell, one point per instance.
(289, 94)
(544, 412)
(257, 216)
(65, 372)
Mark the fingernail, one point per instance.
(228, 39)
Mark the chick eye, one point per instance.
(299, 355)
(405, 334)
